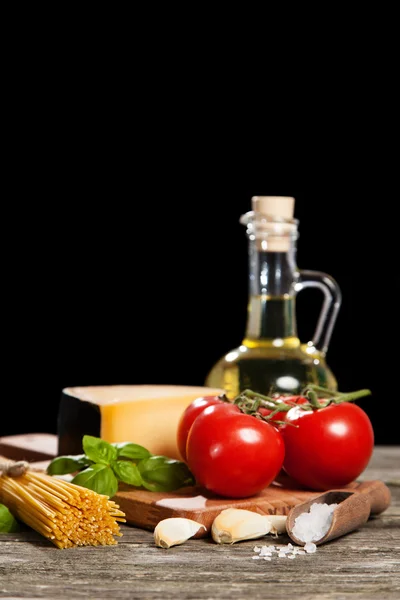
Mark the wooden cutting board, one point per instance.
(145, 509)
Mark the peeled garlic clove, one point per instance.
(236, 524)
(174, 531)
(278, 524)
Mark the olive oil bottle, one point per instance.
(271, 357)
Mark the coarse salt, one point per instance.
(311, 526)
(310, 548)
(288, 551)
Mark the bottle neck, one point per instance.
(271, 316)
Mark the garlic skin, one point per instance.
(235, 525)
(174, 531)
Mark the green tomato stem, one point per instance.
(249, 402)
(351, 396)
(313, 398)
(265, 401)
(321, 390)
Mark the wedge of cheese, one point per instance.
(143, 414)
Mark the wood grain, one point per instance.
(363, 565)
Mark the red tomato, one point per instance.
(329, 447)
(187, 418)
(233, 454)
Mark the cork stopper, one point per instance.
(272, 234)
(274, 206)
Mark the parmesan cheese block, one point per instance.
(143, 414)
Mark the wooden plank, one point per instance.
(362, 565)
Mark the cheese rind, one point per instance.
(143, 414)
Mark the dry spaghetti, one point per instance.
(66, 514)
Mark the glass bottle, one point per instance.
(271, 357)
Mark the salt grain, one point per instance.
(310, 548)
(313, 525)
(288, 551)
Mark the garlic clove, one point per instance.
(174, 531)
(278, 523)
(235, 524)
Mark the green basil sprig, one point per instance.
(132, 451)
(127, 472)
(103, 465)
(162, 474)
(62, 465)
(8, 523)
(99, 478)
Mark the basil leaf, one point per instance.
(61, 465)
(8, 524)
(132, 451)
(98, 450)
(127, 472)
(98, 478)
(163, 474)
(154, 487)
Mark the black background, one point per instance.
(120, 285)
(125, 174)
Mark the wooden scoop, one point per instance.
(353, 510)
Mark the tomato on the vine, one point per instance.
(328, 447)
(233, 454)
(188, 417)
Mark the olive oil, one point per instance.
(275, 361)
(271, 357)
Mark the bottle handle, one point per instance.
(330, 306)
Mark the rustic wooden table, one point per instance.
(363, 564)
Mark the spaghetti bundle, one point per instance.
(67, 514)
